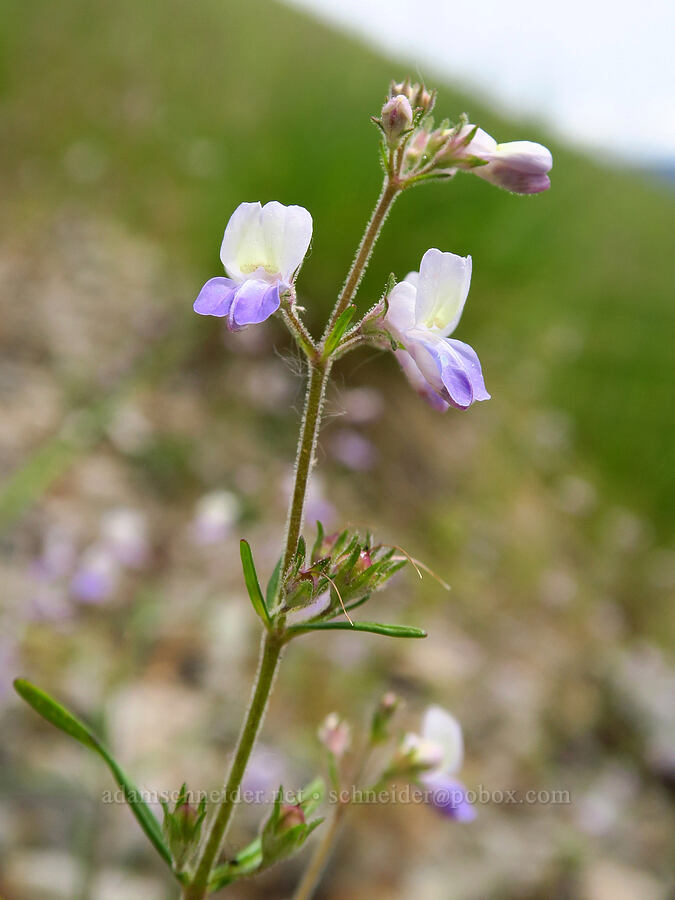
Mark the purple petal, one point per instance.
(253, 302)
(456, 382)
(448, 797)
(419, 382)
(510, 179)
(472, 368)
(215, 298)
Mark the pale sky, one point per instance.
(601, 73)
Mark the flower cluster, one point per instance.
(342, 571)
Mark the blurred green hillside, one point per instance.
(165, 115)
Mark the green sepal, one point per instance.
(65, 721)
(272, 590)
(280, 840)
(397, 631)
(182, 828)
(252, 583)
(300, 554)
(250, 859)
(338, 331)
(318, 543)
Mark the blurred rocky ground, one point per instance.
(139, 445)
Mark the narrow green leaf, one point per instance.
(65, 721)
(338, 331)
(399, 631)
(252, 583)
(273, 586)
(53, 712)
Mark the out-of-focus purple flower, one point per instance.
(448, 796)
(435, 756)
(362, 405)
(96, 576)
(335, 734)
(518, 166)
(57, 557)
(262, 249)
(353, 450)
(49, 601)
(125, 533)
(265, 772)
(423, 311)
(215, 516)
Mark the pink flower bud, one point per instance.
(290, 815)
(397, 117)
(518, 166)
(335, 735)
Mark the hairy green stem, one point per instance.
(319, 373)
(390, 190)
(270, 653)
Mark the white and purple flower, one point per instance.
(518, 166)
(424, 310)
(262, 250)
(437, 755)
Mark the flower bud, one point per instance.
(386, 708)
(290, 815)
(416, 94)
(335, 735)
(397, 117)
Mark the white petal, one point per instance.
(442, 290)
(442, 728)
(401, 313)
(286, 233)
(525, 156)
(242, 245)
(482, 144)
(412, 278)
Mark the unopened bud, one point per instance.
(397, 117)
(290, 815)
(335, 735)
(363, 562)
(379, 729)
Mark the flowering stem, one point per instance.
(297, 328)
(270, 652)
(390, 190)
(312, 874)
(273, 640)
(317, 863)
(319, 373)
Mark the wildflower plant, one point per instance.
(322, 581)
